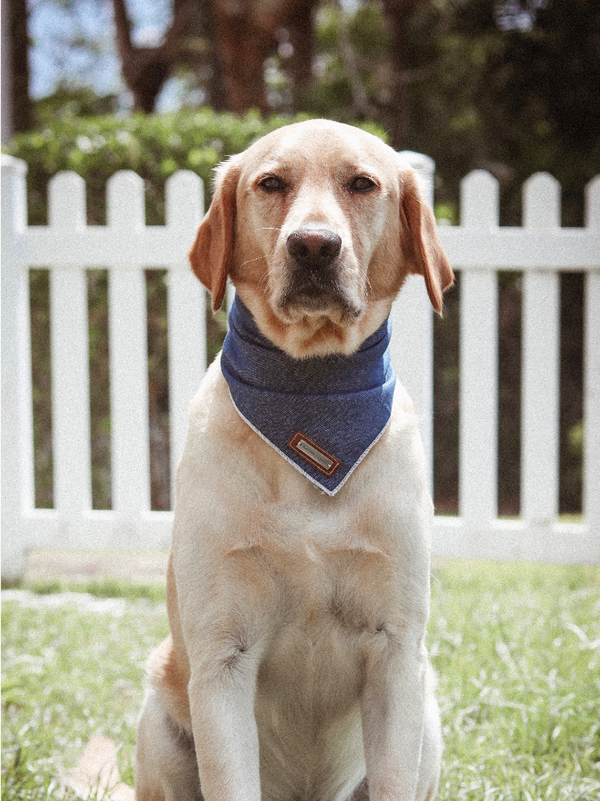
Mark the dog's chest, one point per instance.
(332, 587)
(334, 591)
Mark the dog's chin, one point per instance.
(319, 324)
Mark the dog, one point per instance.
(296, 669)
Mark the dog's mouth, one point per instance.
(315, 298)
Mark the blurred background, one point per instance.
(509, 86)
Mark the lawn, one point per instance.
(516, 648)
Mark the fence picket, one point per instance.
(412, 355)
(412, 322)
(66, 202)
(186, 313)
(541, 343)
(478, 479)
(479, 200)
(17, 411)
(541, 201)
(591, 409)
(126, 209)
(70, 390)
(130, 436)
(70, 356)
(592, 204)
(478, 388)
(184, 201)
(130, 456)
(187, 355)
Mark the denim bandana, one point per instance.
(322, 414)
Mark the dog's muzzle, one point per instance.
(314, 281)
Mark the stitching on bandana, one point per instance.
(314, 454)
(297, 467)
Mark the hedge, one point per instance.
(154, 146)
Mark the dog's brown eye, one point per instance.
(362, 184)
(272, 184)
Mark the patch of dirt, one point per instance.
(138, 567)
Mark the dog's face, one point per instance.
(318, 224)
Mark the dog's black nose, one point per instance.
(314, 247)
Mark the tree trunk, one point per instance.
(398, 13)
(300, 23)
(243, 45)
(22, 118)
(245, 36)
(204, 27)
(7, 99)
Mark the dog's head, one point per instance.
(318, 224)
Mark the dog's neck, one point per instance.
(260, 363)
(322, 414)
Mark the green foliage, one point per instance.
(369, 34)
(69, 103)
(478, 90)
(512, 100)
(366, 33)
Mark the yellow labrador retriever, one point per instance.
(296, 668)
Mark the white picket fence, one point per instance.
(478, 248)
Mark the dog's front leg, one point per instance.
(225, 732)
(392, 711)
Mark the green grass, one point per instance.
(69, 673)
(105, 587)
(516, 648)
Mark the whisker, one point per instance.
(251, 260)
(368, 286)
(265, 275)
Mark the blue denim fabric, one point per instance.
(342, 403)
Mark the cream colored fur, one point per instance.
(296, 664)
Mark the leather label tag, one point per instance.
(312, 453)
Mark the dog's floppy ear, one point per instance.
(212, 251)
(420, 242)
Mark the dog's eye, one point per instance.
(362, 184)
(272, 184)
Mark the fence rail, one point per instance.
(125, 247)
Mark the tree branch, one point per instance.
(145, 69)
(123, 28)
